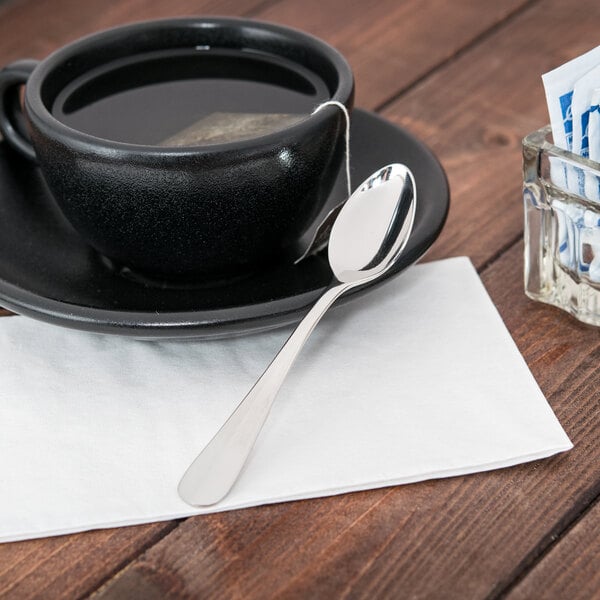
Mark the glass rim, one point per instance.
(541, 140)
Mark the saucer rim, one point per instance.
(213, 323)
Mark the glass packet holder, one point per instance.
(561, 195)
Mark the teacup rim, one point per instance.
(43, 119)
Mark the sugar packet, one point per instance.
(594, 126)
(559, 86)
(573, 96)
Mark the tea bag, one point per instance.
(220, 127)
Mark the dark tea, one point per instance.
(190, 97)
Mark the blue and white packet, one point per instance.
(594, 126)
(573, 96)
(559, 86)
(588, 183)
(581, 107)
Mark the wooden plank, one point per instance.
(571, 570)
(34, 28)
(71, 566)
(465, 536)
(475, 112)
(390, 44)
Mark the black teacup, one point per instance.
(108, 121)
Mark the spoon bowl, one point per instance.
(368, 235)
(374, 225)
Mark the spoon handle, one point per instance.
(214, 471)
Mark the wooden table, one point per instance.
(465, 77)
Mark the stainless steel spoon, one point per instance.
(367, 237)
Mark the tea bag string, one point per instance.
(347, 135)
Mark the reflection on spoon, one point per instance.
(367, 237)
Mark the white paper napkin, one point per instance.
(416, 380)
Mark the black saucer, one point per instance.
(49, 273)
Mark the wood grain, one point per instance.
(571, 570)
(405, 34)
(71, 566)
(34, 28)
(391, 44)
(475, 112)
(469, 534)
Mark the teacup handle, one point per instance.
(12, 123)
